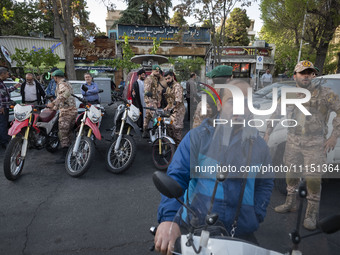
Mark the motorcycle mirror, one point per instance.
(166, 185)
(85, 88)
(100, 91)
(330, 225)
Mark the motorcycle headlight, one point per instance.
(134, 117)
(94, 118)
(20, 116)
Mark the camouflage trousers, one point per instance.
(175, 133)
(67, 118)
(304, 159)
(149, 114)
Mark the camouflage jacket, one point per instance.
(150, 86)
(64, 100)
(174, 94)
(323, 101)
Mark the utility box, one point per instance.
(104, 84)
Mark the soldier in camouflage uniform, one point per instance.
(175, 104)
(152, 96)
(66, 105)
(220, 75)
(306, 142)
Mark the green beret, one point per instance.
(220, 71)
(58, 73)
(156, 67)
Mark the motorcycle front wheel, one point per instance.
(77, 164)
(162, 153)
(120, 161)
(13, 163)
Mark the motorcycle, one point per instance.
(80, 154)
(30, 129)
(207, 235)
(163, 146)
(123, 149)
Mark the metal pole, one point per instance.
(303, 32)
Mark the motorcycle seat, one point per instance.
(47, 115)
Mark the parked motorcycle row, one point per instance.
(36, 127)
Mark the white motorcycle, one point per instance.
(211, 237)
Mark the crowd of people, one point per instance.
(208, 144)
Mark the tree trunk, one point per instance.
(338, 69)
(65, 26)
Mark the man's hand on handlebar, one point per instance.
(166, 235)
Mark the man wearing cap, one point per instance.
(220, 75)
(152, 97)
(138, 95)
(66, 105)
(306, 144)
(50, 91)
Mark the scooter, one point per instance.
(80, 154)
(202, 239)
(30, 129)
(163, 146)
(123, 149)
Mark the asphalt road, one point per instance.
(48, 212)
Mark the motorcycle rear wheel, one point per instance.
(162, 161)
(122, 160)
(13, 163)
(77, 165)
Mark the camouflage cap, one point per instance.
(156, 67)
(304, 65)
(220, 71)
(58, 73)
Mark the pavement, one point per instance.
(48, 212)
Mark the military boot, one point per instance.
(288, 206)
(61, 160)
(311, 215)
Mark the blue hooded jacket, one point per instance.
(195, 151)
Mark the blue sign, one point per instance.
(165, 33)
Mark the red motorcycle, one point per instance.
(30, 129)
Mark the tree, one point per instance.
(149, 12)
(70, 18)
(236, 32)
(323, 17)
(184, 67)
(178, 20)
(36, 60)
(217, 12)
(24, 19)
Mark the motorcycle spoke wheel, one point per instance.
(119, 161)
(13, 162)
(163, 159)
(77, 164)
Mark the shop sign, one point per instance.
(99, 49)
(245, 52)
(165, 33)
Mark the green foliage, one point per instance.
(150, 12)
(36, 60)
(124, 63)
(178, 19)
(24, 19)
(236, 28)
(156, 45)
(184, 67)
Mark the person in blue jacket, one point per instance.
(209, 145)
(91, 94)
